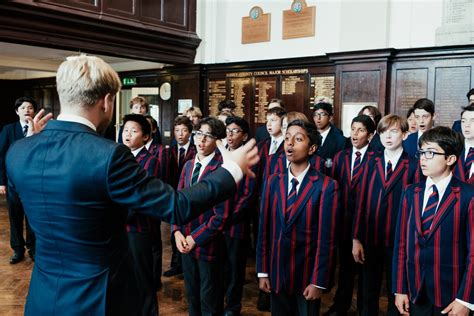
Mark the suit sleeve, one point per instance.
(206, 231)
(262, 251)
(4, 145)
(359, 227)
(129, 186)
(328, 215)
(466, 290)
(399, 272)
(243, 198)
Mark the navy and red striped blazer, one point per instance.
(350, 190)
(138, 222)
(300, 251)
(265, 157)
(173, 172)
(278, 164)
(159, 152)
(206, 229)
(443, 260)
(378, 204)
(459, 170)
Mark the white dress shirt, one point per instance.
(363, 150)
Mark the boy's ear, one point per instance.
(246, 137)
(146, 138)
(435, 116)
(370, 136)
(451, 160)
(404, 135)
(312, 149)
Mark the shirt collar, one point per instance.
(205, 161)
(23, 123)
(278, 139)
(137, 151)
(362, 151)
(419, 134)
(441, 185)
(325, 134)
(185, 146)
(394, 160)
(76, 119)
(299, 178)
(148, 145)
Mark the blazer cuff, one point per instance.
(234, 170)
(262, 275)
(318, 287)
(468, 305)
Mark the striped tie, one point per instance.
(290, 202)
(389, 171)
(468, 163)
(195, 176)
(181, 158)
(356, 168)
(25, 130)
(430, 210)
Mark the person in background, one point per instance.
(262, 133)
(425, 115)
(138, 105)
(412, 127)
(155, 129)
(432, 269)
(464, 169)
(457, 124)
(227, 106)
(25, 108)
(374, 113)
(194, 114)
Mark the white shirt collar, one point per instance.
(137, 151)
(324, 135)
(441, 186)
(298, 178)
(204, 162)
(394, 160)
(185, 146)
(278, 141)
(363, 150)
(467, 145)
(147, 145)
(419, 134)
(76, 119)
(23, 123)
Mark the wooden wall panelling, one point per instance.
(152, 11)
(122, 8)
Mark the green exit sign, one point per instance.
(129, 81)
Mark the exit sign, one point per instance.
(129, 81)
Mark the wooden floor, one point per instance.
(14, 280)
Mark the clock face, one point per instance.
(165, 91)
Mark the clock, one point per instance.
(165, 91)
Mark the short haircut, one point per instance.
(424, 104)
(226, 104)
(141, 120)
(280, 112)
(469, 108)
(468, 95)
(293, 116)
(194, 110)
(450, 141)
(374, 111)
(311, 131)
(83, 80)
(154, 123)
(392, 120)
(140, 100)
(183, 120)
(275, 100)
(240, 122)
(323, 106)
(20, 101)
(410, 112)
(217, 126)
(366, 121)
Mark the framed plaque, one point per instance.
(256, 26)
(299, 21)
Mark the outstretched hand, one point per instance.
(245, 156)
(36, 124)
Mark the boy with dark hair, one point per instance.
(348, 171)
(464, 169)
(155, 130)
(332, 139)
(142, 230)
(377, 210)
(425, 115)
(374, 113)
(200, 242)
(412, 127)
(470, 100)
(298, 216)
(25, 108)
(138, 105)
(262, 133)
(227, 106)
(237, 228)
(176, 156)
(433, 270)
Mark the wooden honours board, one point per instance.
(265, 90)
(217, 93)
(322, 87)
(240, 92)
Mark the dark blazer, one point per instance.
(459, 170)
(206, 229)
(300, 251)
(457, 126)
(376, 144)
(441, 260)
(378, 204)
(334, 143)
(261, 134)
(265, 158)
(173, 171)
(350, 190)
(76, 188)
(410, 145)
(10, 134)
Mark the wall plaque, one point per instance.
(240, 92)
(256, 26)
(411, 85)
(265, 90)
(217, 93)
(294, 91)
(300, 21)
(322, 87)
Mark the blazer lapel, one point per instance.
(379, 164)
(283, 196)
(449, 198)
(398, 173)
(418, 205)
(211, 166)
(347, 164)
(305, 192)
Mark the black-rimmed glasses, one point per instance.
(428, 154)
(201, 135)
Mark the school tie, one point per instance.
(290, 201)
(195, 176)
(25, 130)
(468, 162)
(273, 147)
(429, 211)
(181, 158)
(389, 171)
(357, 165)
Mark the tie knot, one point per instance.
(181, 150)
(435, 189)
(389, 163)
(471, 150)
(358, 154)
(294, 182)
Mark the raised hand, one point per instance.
(246, 156)
(36, 124)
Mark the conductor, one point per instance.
(77, 189)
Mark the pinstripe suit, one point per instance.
(441, 262)
(375, 223)
(288, 251)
